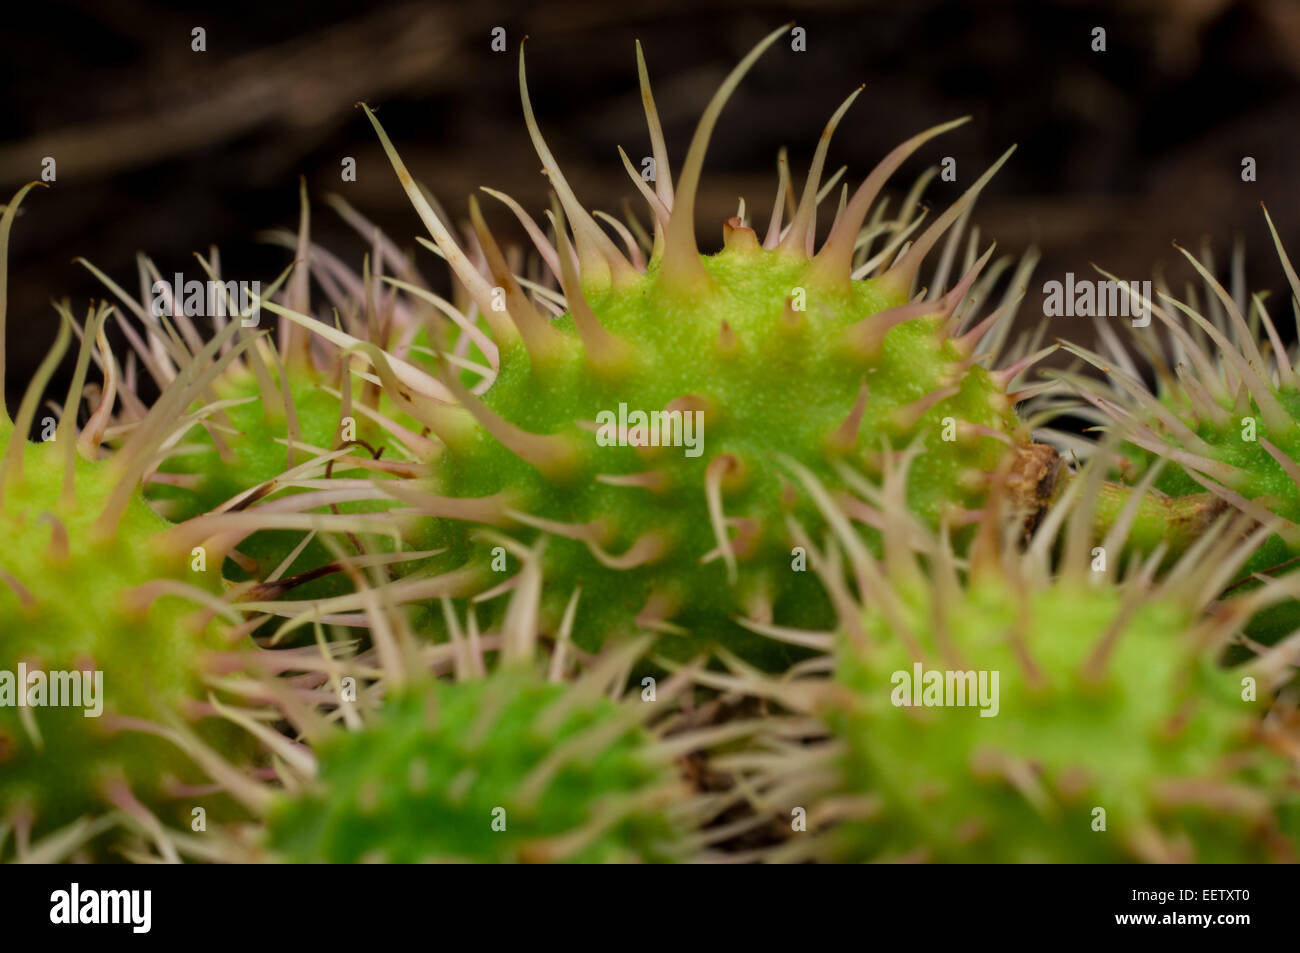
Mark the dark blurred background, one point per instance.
(164, 150)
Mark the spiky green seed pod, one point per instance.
(501, 764)
(106, 630)
(638, 428)
(1223, 419)
(1022, 715)
(75, 603)
(506, 769)
(279, 423)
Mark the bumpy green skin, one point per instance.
(1115, 735)
(149, 659)
(782, 392)
(422, 782)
